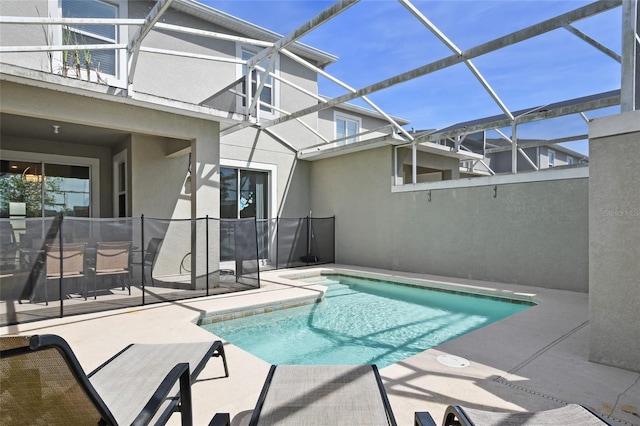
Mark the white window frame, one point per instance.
(339, 115)
(122, 33)
(92, 163)
(272, 173)
(570, 160)
(275, 85)
(551, 158)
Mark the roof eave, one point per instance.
(215, 16)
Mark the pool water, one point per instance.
(362, 322)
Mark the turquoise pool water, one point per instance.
(362, 322)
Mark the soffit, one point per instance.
(42, 129)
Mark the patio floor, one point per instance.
(535, 360)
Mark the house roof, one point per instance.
(556, 109)
(247, 29)
(532, 143)
(356, 109)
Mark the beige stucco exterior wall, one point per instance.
(250, 148)
(164, 75)
(614, 240)
(25, 35)
(327, 123)
(531, 233)
(156, 179)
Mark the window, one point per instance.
(346, 126)
(570, 160)
(105, 61)
(243, 193)
(552, 157)
(120, 184)
(267, 97)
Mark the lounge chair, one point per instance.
(331, 395)
(43, 383)
(568, 415)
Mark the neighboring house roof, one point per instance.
(533, 143)
(247, 29)
(555, 109)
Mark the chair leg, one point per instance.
(219, 352)
(125, 283)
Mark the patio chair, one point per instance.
(43, 383)
(569, 415)
(314, 394)
(66, 262)
(149, 260)
(112, 259)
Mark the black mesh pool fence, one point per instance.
(58, 266)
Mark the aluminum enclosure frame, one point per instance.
(628, 97)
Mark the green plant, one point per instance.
(18, 188)
(67, 39)
(87, 62)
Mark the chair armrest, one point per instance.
(423, 418)
(220, 419)
(179, 372)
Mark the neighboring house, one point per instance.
(480, 157)
(543, 156)
(541, 153)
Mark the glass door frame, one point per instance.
(67, 160)
(270, 169)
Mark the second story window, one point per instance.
(552, 158)
(347, 126)
(267, 98)
(103, 61)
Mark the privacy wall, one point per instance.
(614, 233)
(533, 233)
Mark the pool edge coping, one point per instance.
(293, 278)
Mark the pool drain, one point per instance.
(453, 361)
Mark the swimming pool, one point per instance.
(362, 322)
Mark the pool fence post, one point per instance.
(142, 253)
(61, 254)
(206, 245)
(255, 224)
(277, 240)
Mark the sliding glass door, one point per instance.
(244, 194)
(31, 189)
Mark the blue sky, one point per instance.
(378, 39)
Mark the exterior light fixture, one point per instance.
(56, 129)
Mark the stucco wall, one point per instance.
(153, 173)
(327, 123)
(292, 181)
(614, 240)
(25, 35)
(163, 75)
(531, 233)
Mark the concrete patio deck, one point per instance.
(535, 360)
